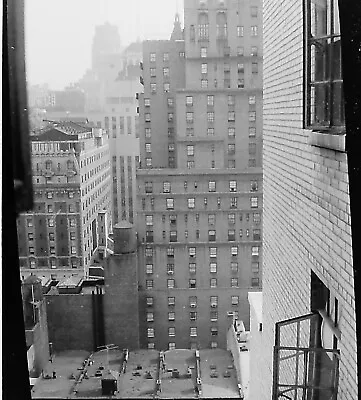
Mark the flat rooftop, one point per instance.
(140, 375)
(218, 374)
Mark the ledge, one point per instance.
(336, 142)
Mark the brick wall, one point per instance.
(306, 202)
(70, 321)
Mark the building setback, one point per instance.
(199, 215)
(71, 178)
(308, 260)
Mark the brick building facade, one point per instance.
(200, 182)
(307, 253)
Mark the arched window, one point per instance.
(221, 21)
(203, 26)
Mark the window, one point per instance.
(210, 131)
(190, 132)
(252, 100)
(170, 204)
(146, 102)
(29, 223)
(149, 268)
(170, 269)
(189, 117)
(171, 301)
(192, 301)
(212, 236)
(234, 282)
(193, 332)
(166, 87)
(150, 332)
(165, 57)
(240, 83)
(150, 301)
(51, 222)
(233, 203)
(254, 30)
(193, 316)
(213, 283)
(153, 88)
(231, 219)
(255, 251)
(211, 219)
(150, 317)
(254, 202)
(190, 150)
(152, 57)
(192, 268)
(254, 51)
(204, 68)
(149, 220)
(170, 283)
(256, 218)
(203, 52)
(214, 331)
(234, 267)
(231, 164)
(231, 132)
(210, 116)
(197, 217)
(231, 149)
(234, 251)
(148, 132)
(192, 284)
(149, 252)
(231, 235)
(166, 72)
(171, 147)
(170, 252)
(191, 202)
(324, 101)
(149, 283)
(170, 101)
(173, 236)
(171, 331)
(240, 51)
(240, 31)
(234, 300)
(149, 236)
(189, 100)
(254, 68)
(213, 252)
(182, 54)
(170, 117)
(211, 186)
(210, 100)
(204, 83)
(255, 267)
(31, 250)
(192, 252)
(214, 301)
(252, 116)
(148, 148)
(241, 233)
(254, 11)
(148, 187)
(213, 268)
(49, 195)
(171, 316)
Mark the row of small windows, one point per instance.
(53, 264)
(211, 116)
(212, 186)
(165, 56)
(50, 222)
(192, 252)
(192, 283)
(149, 268)
(210, 131)
(52, 250)
(193, 302)
(191, 203)
(222, 30)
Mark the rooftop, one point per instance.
(79, 374)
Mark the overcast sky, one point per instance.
(59, 33)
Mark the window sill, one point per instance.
(328, 140)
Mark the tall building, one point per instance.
(72, 184)
(306, 344)
(200, 182)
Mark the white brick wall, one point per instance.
(306, 202)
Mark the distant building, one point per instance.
(200, 182)
(71, 99)
(303, 339)
(72, 184)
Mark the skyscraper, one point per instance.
(200, 182)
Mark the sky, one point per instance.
(59, 33)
